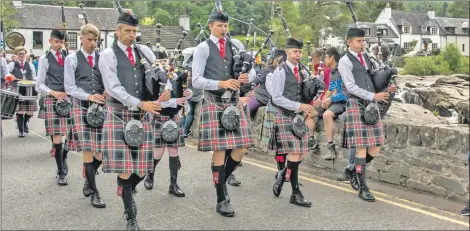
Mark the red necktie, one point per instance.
(131, 57)
(59, 58)
(90, 60)
(361, 59)
(296, 74)
(22, 65)
(222, 48)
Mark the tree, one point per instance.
(7, 11)
(459, 9)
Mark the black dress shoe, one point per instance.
(96, 201)
(62, 180)
(352, 178)
(344, 176)
(131, 221)
(86, 189)
(224, 209)
(277, 187)
(231, 180)
(175, 190)
(298, 199)
(366, 195)
(148, 182)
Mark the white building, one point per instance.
(431, 32)
(35, 23)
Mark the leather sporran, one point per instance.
(230, 118)
(170, 131)
(63, 107)
(299, 129)
(134, 134)
(371, 113)
(95, 115)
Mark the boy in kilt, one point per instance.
(169, 112)
(22, 69)
(124, 79)
(355, 69)
(290, 94)
(51, 82)
(213, 72)
(83, 82)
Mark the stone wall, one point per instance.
(420, 152)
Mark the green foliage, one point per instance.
(448, 62)
(398, 61)
(7, 10)
(465, 67)
(412, 46)
(420, 66)
(453, 56)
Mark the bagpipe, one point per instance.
(382, 77)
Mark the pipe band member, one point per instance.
(213, 72)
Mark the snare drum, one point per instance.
(27, 90)
(9, 101)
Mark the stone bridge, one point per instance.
(421, 152)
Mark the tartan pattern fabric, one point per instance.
(158, 127)
(213, 136)
(88, 137)
(41, 112)
(281, 138)
(358, 134)
(268, 123)
(72, 139)
(55, 123)
(28, 105)
(118, 157)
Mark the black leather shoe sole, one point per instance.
(176, 194)
(148, 185)
(301, 204)
(98, 205)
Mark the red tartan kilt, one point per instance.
(358, 134)
(283, 141)
(213, 136)
(55, 123)
(88, 138)
(28, 106)
(159, 142)
(118, 157)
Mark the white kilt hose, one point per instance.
(158, 127)
(88, 137)
(213, 136)
(281, 140)
(358, 134)
(118, 157)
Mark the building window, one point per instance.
(463, 47)
(434, 30)
(367, 30)
(407, 30)
(434, 46)
(407, 46)
(72, 40)
(384, 32)
(37, 39)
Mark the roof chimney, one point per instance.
(431, 13)
(184, 22)
(388, 12)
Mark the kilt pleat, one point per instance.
(118, 157)
(55, 123)
(28, 105)
(358, 134)
(88, 137)
(213, 136)
(281, 138)
(158, 127)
